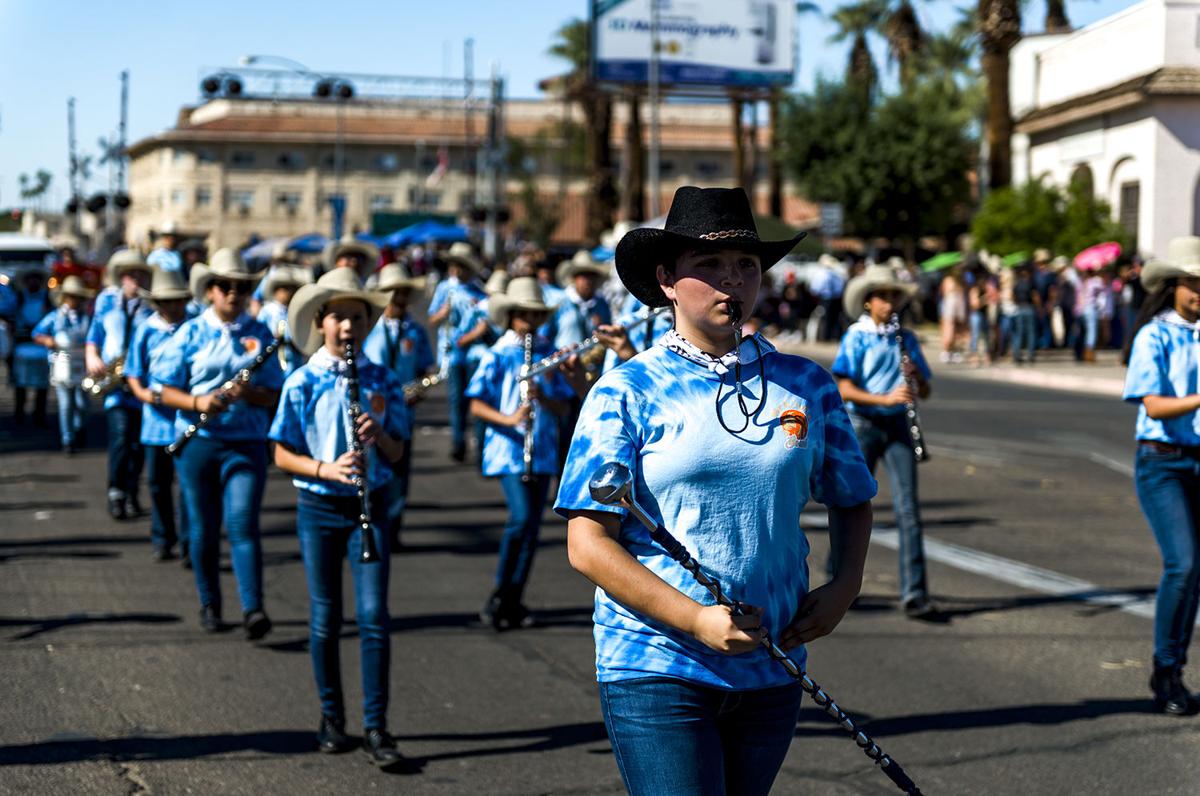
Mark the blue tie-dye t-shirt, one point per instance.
(274, 316)
(870, 357)
(313, 420)
(495, 383)
(1165, 360)
(204, 354)
(158, 422)
(402, 346)
(576, 319)
(734, 500)
(112, 333)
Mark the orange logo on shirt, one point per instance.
(378, 404)
(250, 344)
(794, 421)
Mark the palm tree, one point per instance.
(854, 22)
(1056, 17)
(906, 40)
(999, 27)
(572, 45)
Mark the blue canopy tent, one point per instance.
(426, 232)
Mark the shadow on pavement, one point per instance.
(1047, 714)
(68, 541)
(38, 625)
(959, 606)
(542, 739)
(39, 478)
(547, 618)
(42, 505)
(174, 747)
(85, 554)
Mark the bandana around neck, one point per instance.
(232, 328)
(1173, 318)
(865, 324)
(322, 358)
(748, 352)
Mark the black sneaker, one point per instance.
(1170, 694)
(185, 559)
(381, 749)
(256, 624)
(210, 619)
(459, 453)
(921, 608)
(162, 553)
(116, 508)
(132, 507)
(331, 736)
(518, 615)
(491, 614)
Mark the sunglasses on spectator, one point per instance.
(228, 286)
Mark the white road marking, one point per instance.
(1006, 570)
(1112, 464)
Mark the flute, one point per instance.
(527, 400)
(920, 452)
(241, 377)
(420, 386)
(562, 355)
(368, 553)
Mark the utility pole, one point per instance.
(652, 161)
(73, 166)
(491, 238)
(469, 115)
(122, 141)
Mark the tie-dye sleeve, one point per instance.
(485, 385)
(1148, 373)
(606, 432)
(270, 375)
(290, 417)
(170, 367)
(847, 364)
(840, 477)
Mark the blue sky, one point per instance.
(54, 49)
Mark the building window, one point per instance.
(381, 201)
(178, 156)
(203, 196)
(421, 198)
(178, 197)
(1131, 194)
(666, 168)
(328, 161)
(241, 159)
(386, 161)
(205, 156)
(1082, 179)
(288, 201)
(708, 169)
(290, 161)
(240, 200)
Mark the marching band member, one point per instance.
(64, 331)
(727, 444)
(120, 310)
(30, 369)
(1164, 360)
(496, 399)
(170, 296)
(400, 344)
(876, 390)
(582, 308)
(311, 430)
(166, 256)
(278, 288)
(223, 470)
(352, 253)
(452, 303)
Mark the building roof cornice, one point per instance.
(1164, 82)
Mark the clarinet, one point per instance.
(368, 553)
(526, 400)
(920, 452)
(241, 377)
(561, 356)
(419, 387)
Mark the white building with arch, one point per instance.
(1117, 102)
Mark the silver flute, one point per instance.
(912, 416)
(527, 400)
(562, 355)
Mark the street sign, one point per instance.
(831, 219)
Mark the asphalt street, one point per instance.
(110, 687)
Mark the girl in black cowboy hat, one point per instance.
(726, 443)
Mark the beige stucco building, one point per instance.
(232, 168)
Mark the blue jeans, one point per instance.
(1090, 320)
(160, 467)
(456, 387)
(526, 502)
(224, 480)
(125, 454)
(887, 437)
(672, 736)
(1168, 487)
(395, 492)
(1024, 333)
(328, 529)
(979, 332)
(72, 411)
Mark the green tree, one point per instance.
(1037, 214)
(37, 187)
(855, 22)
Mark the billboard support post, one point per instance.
(653, 160)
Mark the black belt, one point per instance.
(1166, 447)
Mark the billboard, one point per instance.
(733, 43)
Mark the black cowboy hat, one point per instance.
(705, 219)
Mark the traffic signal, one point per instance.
(121, 200)
(96, 203)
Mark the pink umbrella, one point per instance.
(1098, 256)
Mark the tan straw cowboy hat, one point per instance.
(75, 286)
(225, 264)
(395, 276)
(167, 286)
(874, 278)
(582, 263)
(340, 283)
(368, 254)
(122, 262)
(1183, 259)
(284, 275)
(497, 282)
(462, 254)
(523, 293)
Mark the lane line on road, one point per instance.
(1014, 573)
